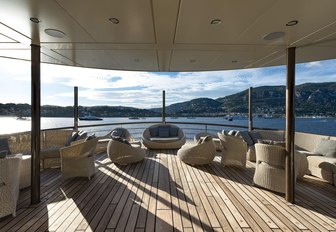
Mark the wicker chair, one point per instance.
(105, 139)
(216, 140)
(233, 150)
(9, 184)
(198, 154)
(79, 159)
(121, 153)
(156, 142)
(270, 167)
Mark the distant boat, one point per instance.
(268, 116)
(229, 118)
(90, 118)
(133, 118)
(22, 118)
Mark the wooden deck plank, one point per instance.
(163, 194)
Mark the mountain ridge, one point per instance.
(312, 99)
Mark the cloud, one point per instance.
(144, 89)
(313, 64)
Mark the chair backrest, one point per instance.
(10, 169)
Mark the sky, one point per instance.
(144, 89)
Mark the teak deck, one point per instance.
(163, 194)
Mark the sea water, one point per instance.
(323, 126)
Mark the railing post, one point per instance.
(250, 117)
(206, 128)
(163, 107)
(76, 108)
(290, 126)
(35, 123)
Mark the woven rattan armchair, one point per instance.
(198, 154)
(79, 159)
(270, 167)
(9, 184)
(233, 150)
(122, 153)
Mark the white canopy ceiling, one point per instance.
(168, 35)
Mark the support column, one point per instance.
(250, 122)
(75, 108)
(163, 106)
(35, 122)
(290, 126)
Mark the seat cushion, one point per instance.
(163, 131)
(326, 148)
(154, 131)
(164, 140)
(325, 163)
(173, 131)
(246, 137)
(255, 136)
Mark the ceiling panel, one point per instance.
(193, 60)
(90, 58)
(194, 22)
(174, 35)
(16, 14)
(135, 25)
(140, 60)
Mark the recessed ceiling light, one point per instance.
(216, 21)
(192, 61)
(273, 35)
(35, 20)
(55, 33)
(292, 23)
(114, 20)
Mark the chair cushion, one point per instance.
(232, 132)
(255, 136)
(326, 147)
(4, 145)
(119, 132)
(246, 137)
(207, 138)
(154, 131)
(81, 135)
(163, 131)
(173, 131)
(72, 138)
(92, 136)
(3, 154)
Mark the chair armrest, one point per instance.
(79, 150)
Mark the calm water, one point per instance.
(325, 126)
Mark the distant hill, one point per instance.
(312, 99)
(195, 107)
(59, 111)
